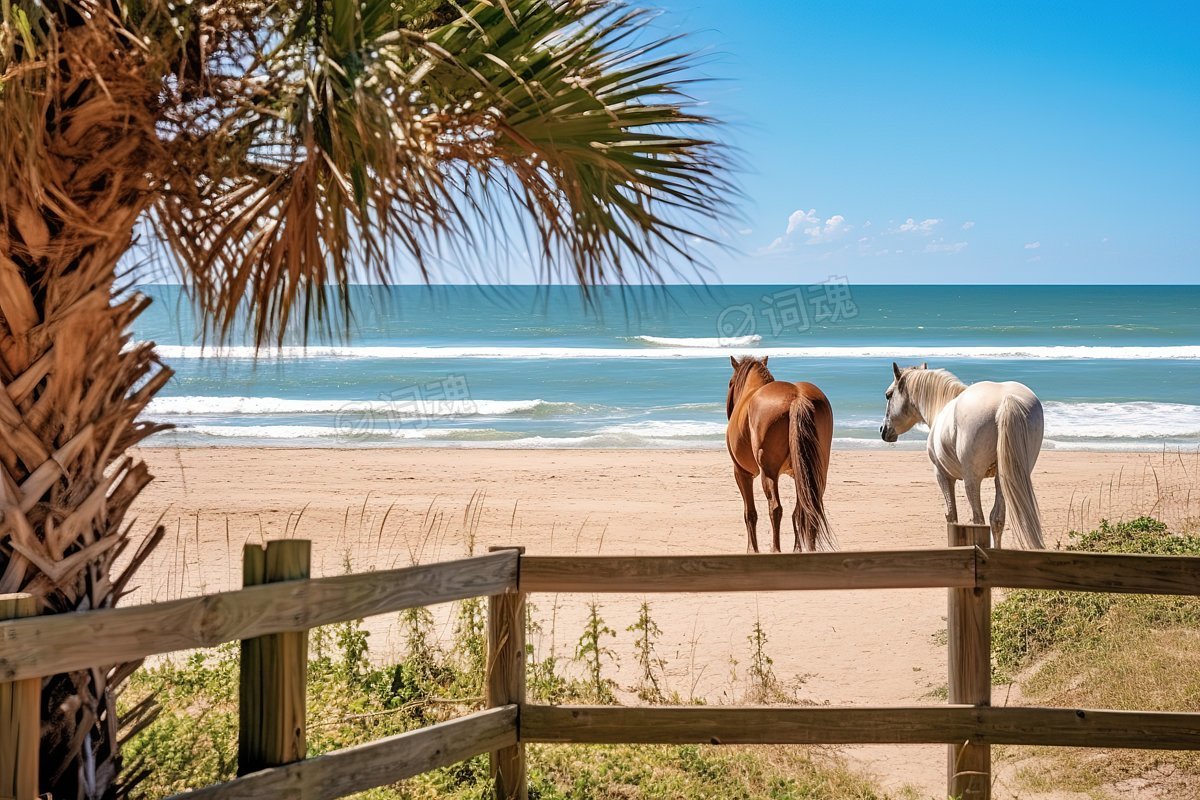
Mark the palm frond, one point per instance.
(372, 135)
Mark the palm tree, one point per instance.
(276, 149)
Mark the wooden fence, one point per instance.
(271, 616)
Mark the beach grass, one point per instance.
(1125, 652)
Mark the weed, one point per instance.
(764, 685)
(470, 636)
(651, 665)
(592, 653)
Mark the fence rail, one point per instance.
(887, 569)
(273, 701)
(378, 763)
(857, 725)
(64, 642)
(1088, 572)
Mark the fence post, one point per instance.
(20, 717)
(969, 629)
(274, 668)
(506, 682)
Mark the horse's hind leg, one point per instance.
(997, 516)
(810, 536)
(971, 484)
(946, 483)
(770, 485)
(745, 484)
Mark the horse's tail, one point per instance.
(1016, 454)
(806, 469)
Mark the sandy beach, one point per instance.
(379, 508)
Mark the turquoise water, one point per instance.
(1117, 367)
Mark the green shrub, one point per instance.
(193, 741)
(1116, 651)
(1141, 535)
(1029, 623)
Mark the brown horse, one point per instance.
(777, 427)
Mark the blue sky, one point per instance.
(957, 142)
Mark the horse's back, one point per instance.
(772, 403)
(986, 398)
(967, 431)
(813, 393)
(767, 423)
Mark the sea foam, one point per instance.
(733, 341)
(1134, 420)
(1011, 352)
(191, 405)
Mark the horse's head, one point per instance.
(901, 413)
(744, 369)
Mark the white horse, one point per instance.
(979, 431)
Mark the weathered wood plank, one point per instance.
(64, 642)
(274, 668)
(771, 725)
(379, 763)
(20, 719)
(1090, 572)
(505, 685)
(895, 569)
(1065, 727)
(969, 633)
(858, 725)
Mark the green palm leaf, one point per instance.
(395, 131)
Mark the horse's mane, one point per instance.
(932, 389)
(745, 367)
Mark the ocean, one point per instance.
(1117, 367)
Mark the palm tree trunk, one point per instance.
(71, 388)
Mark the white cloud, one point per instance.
(806, 227)
(809, 228)
(940, 246)
(801, 217)
(1032, 245)
(745, 231)
(834, 228)
(924, 227)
